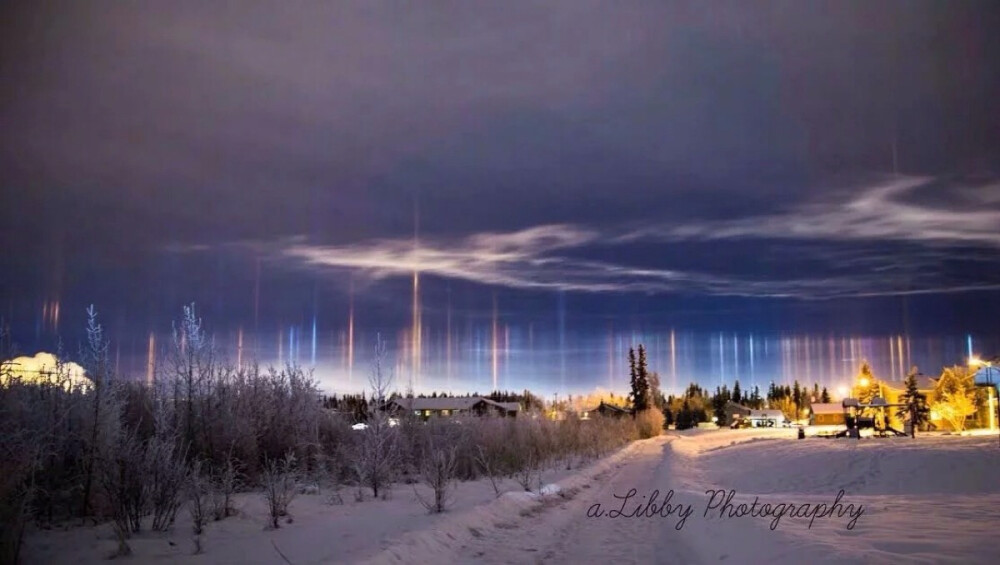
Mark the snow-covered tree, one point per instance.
(955, 396)
(378, 450)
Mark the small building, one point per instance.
(766, 418)
(603, 409)
(444, 407)
(826, 414)
(734, 412)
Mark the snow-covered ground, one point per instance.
(932, 499)
(320, 532)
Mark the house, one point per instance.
(443, 407)
(734, 412)
(766, 418)
(826, 414)
(603, 409)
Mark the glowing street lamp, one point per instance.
(864, 381)
(977, 362)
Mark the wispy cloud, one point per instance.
(879, 212)
(549, 256)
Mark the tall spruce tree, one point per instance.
(914, 403)
(640, 390)
(737, 393)
(633, 383)
(824, 396)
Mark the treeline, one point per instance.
(121, 450)
(696, 405)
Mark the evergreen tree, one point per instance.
(633, 383)
(684, 417)
(642, 380)
(914, 402)
(719, 406)
(737, 393)
(867, 387)
(824, 396)
(668, 417)
(797, 397)
(640, 395)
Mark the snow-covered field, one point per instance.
(932, 499)
(320, 532)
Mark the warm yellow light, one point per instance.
(975, 361)
(43, 368)
(863, 381)
(842, 391)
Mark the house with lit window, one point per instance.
(826, 414)
(603, 409)
(445, 407)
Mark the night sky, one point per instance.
(762, 190)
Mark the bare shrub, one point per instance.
(198, 493)
(489, 460)
(649, 423)
(279, 479)
(166, 474)
(378, 451)
(122, 478)
(224, 486)
(438, 473)
(526, 474)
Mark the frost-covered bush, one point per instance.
(279, 479)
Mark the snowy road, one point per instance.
(561, 531)
(893, 529)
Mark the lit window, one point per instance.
(446, 412)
